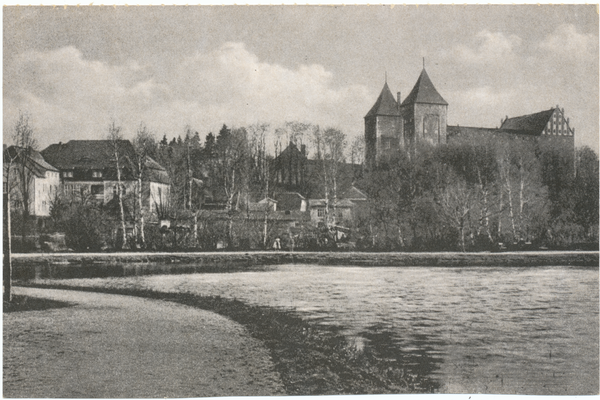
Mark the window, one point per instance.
(320, 212)
(67, 174)
(123, 190)
(431, 128)
(97, 174)
(97, 189)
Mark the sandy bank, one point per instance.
(111, 346)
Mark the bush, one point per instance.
(86, 228)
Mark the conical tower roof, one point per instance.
(385, 104)
(424, 92)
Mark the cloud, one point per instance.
(489, 47)
(70, 97)
(481, 105)
(566, 41)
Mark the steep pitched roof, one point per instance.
(84, 153)
(97, 154)
(354, 194)
(532, 124)
(33, 160)
(424, 92)
(289, 201)
(385, 104)
(290, 151)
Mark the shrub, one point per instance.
(86, 228)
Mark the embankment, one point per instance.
(86, 265)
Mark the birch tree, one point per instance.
(115, 139)
(258, 152)
(144, 144)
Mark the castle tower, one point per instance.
(383, 128)
(424, 114)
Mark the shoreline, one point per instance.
(311, 360)
(28, 266)
(106, 346)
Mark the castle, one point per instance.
(393, 125)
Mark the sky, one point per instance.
(74, 70)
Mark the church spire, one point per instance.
(386, 104)
(424, 91)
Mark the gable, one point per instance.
(531, 124)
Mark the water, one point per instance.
(469, 329)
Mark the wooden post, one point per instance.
(7, 249)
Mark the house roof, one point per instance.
(33, 160)
(289, 200)
(354, 194)
(424, 92)
(98, 154)
(532, 124)
(386, 104)
(343, 203)
(290, 151)
(84, 153)
(267, 200)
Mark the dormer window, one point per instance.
(97, 174)
(67, 174)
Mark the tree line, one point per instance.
(478, 193)
(470, 194)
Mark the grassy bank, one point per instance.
(311, 360)
(24, 303)
(87, 265)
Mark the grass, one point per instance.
(311, 360)
(21, 303)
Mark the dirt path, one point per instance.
(119, 346)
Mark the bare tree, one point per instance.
(231, 168)
(258, 150)
(20, 159)
(357, 150)
(456, 202)
(335, 143)
(115, 138)
(144, 144)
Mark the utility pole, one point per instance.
(7, 242)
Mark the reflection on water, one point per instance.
(468, 330)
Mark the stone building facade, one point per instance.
(392, 125)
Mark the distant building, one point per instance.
(291, 201)
(294, 172)
(88, 170)
(44, 181)
(392, 125)
(424, 114)
(549, 127)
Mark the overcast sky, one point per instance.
(75, 70)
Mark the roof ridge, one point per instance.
(424, 92)
(385, 104)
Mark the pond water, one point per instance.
(469, 329)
